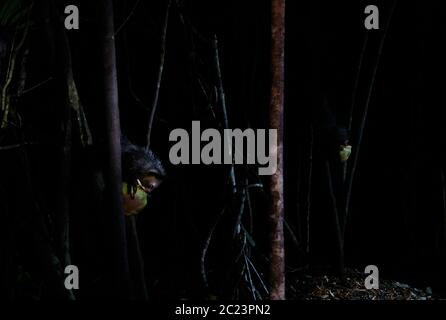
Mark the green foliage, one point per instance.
(13, 12)
(15, 21)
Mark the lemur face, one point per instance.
(142, 173)
(135, 196)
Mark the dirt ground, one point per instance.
(304, 286)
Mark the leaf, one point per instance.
(12, 12)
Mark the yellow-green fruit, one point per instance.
(133, 205)
(345, 153)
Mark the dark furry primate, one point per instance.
(142, 172)
(332, 150)
(333, 138)
(137, 162)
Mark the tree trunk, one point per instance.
(277, 254)
(117, 234)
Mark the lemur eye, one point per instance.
(149, 183)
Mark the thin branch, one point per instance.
(356, 84)
(139, 256)
(237, 283)
(238, 223)
(364, 118)
(443, 189)
(354, 97)
(37, 85)
(249, 279)
(242, 249)
(248, 201)
(16, 146)
(309, 187)
(336, 224)
(160, 74)
(258, 275)
(221, 94)
(128, 17)
(292, 234)
(206, 247)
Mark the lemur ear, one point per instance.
(341, 135)
(138, 162)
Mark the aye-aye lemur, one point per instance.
(142, 172)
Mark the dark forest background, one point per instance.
(397, 217)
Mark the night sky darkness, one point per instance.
(397, 219)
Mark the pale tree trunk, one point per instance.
(277, 254)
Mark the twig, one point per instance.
(292, 234)
(160, 74)
(242, 250)
(310, 178)
(356, 84)
(364, 118)
(336, 225)
(237, 283)
(16, 146)
(221, 94)
(241, 211)
(185, 21)
(128, 73)
(142, 277)
(249, 280)
(443, 185)
(258, 275)
(248, 201)
(128, 17)
(354, 96)
(206, 247)
(4, 97)
(37, 85)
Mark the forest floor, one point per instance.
(303, 286)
